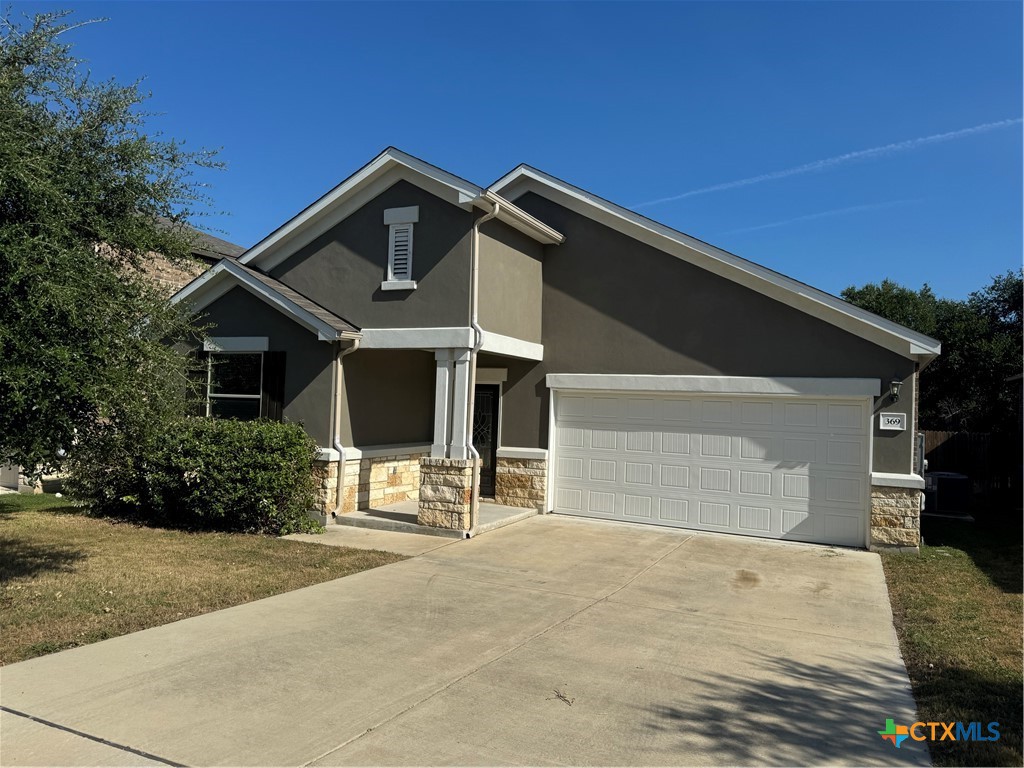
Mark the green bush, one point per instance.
(199, 473)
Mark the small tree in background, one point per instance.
(966, 387)
(82, 191)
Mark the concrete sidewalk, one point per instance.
(554, 641)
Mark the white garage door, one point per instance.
(774, 467)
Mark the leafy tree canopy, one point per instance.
(83, 189)
(967, 387)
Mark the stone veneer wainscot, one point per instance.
(520, 482)
(895, 517)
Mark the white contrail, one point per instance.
(824, 215)
(849, 157)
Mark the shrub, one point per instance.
(199, 473)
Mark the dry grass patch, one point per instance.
(958, 613)
(68, 579)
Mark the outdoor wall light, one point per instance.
(894, 389)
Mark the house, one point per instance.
(207, 250)
(613, 367)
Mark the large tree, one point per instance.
(85, 199)
(967, 386)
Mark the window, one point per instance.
(400, 222)
(244, 378)
(234, 385)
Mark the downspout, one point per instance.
(478, 335)
(339, 382)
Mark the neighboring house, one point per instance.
(207, 250)
(623, 370)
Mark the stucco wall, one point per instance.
(511, 279)
(613, 305)
(388, 397)
(307, 380)
(342, 269)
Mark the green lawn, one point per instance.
(958, 613)
(67, 579)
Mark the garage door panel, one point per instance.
(764, 467)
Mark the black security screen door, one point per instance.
(485, 434)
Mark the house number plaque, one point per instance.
(893, 421)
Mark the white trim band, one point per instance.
(328, 454)
(512, 347)
(374, 451)
(538, 454)
(891, 480)
(236, 344)
(723, 385)
(416, 338)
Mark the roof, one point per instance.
(228, 274)
(368, 182)
(204, 244)
(207, 245)
(806, 298)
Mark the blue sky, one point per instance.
(915, 109)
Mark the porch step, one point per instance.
(383, 520)
(401, 517)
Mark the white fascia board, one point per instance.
(539, 454)
(236, 344)
(209, 287)
(512, 347)
(722, 385)
(350, 195)
(376, 451)
(416, 338)
(892, 480)
(814, 302)
(519, 219)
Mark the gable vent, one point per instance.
(400, 252)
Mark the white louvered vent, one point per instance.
(400, 252)
(400, 223)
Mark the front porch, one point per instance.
(427, 484)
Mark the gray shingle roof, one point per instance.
(339, 324)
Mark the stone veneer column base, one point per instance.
(895, 518)
(326, 475)
(520, 482)
(446, 493)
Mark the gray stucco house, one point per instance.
(600, 364)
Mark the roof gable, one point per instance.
(372, 179)
(228, 274)
(814, 302)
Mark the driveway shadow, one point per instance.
(832, 711)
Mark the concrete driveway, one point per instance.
(554, 641)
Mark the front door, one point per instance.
(485, 434)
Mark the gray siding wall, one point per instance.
(613, 305)
(511, 282)
(308, 362)
(389, 397)
(342, 269)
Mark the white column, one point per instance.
(442, 403)
(460, 404)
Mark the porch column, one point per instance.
(442, 403)
(460, 404)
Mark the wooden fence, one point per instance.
(993, 462)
